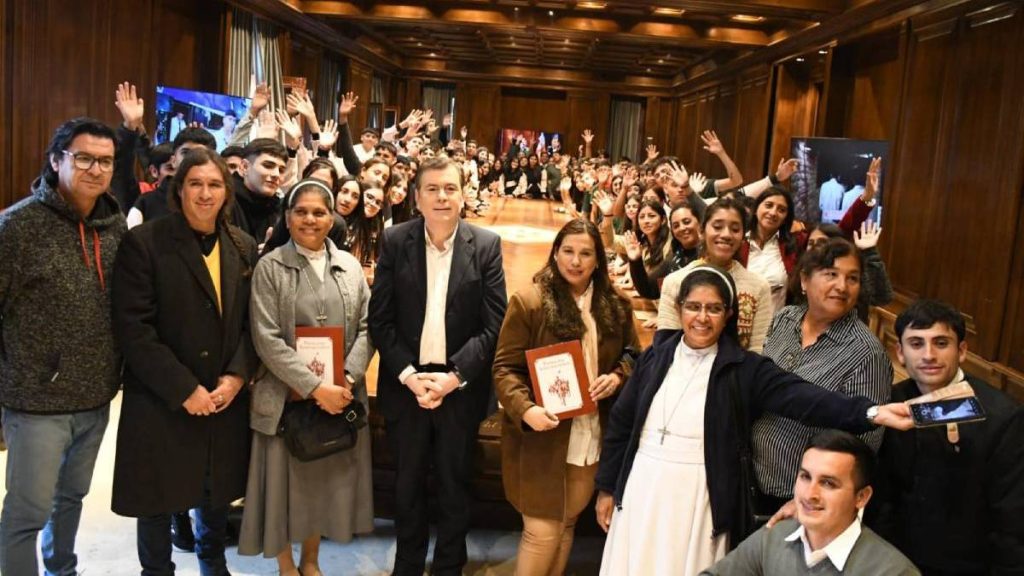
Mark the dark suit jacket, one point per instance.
(475, 309)
(173, 338)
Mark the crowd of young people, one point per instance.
(185, 291)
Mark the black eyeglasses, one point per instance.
(84, 161)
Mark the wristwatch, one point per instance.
(872, 414)
(462, 381)
(351, 380)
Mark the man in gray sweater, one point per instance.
(59, 367)
(826, 538)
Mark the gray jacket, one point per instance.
(57, 351)
(272, 323)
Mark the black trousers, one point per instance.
(442, 440)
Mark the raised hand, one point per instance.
(633, 248)
(604, 202)
(291, 129)
(871, 182)
(196, 125)
(328, 135)
(678, 175)
(697, 181)
(867, 236)
(130, 105)
(786, 169)
(303, 105)
(266, 125)
(711, 142)
(588, 136)
(464, 133)
(652, 152)
(260, 98)
(412, 119)
(446, 120)
(347, 105)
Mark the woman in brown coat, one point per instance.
(571, 299)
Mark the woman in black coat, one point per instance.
(180, 311)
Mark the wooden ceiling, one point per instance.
(601, 39)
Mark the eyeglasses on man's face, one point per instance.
(84, 162)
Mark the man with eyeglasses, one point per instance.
(59, 367)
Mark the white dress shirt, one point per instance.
(585, 431)
(433, 347)
(767, 262)
(838, 550)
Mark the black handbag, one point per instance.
(748, 520)
(311, 433)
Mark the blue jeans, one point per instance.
(154, 542)
(50, 459)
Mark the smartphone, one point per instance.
(946, 412)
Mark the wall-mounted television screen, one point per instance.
(176, 108)
(535, 141)
(831, 176)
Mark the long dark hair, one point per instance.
(561, 313)
(365, 231)
(722, 282)
(323, 164)
(656, 249)
(281, 235)
(200, 156)
(786, 238)
(401, 212)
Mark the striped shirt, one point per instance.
(846, 358)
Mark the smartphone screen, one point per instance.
(947, 411)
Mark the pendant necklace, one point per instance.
(321, 300)
(664, 431)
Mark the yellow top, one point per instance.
(213, 267)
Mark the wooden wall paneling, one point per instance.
(687, 133)
(752, 119)
(667, 123)
(725, 114)
(479, 108)
(796, 107)
(414, 96)
(1012, 346)
(917, 185)
(359, 78)
(700, 160)
(984, 172)
(588, 110)
(546, 110)
(873, 109)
